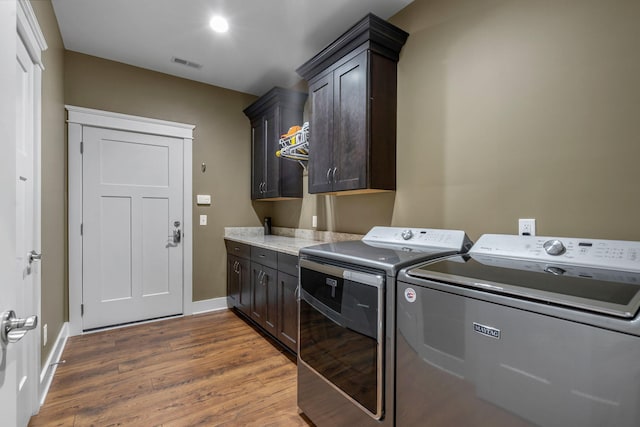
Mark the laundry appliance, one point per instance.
(347, 331)
(521, 331)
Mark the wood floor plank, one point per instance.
(204, 370)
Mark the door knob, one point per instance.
(13, 329)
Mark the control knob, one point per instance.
(554, 247)
(407, 234)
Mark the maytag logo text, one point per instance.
(486, 330)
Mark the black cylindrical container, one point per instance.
(267, 225)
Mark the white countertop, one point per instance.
(286, 240)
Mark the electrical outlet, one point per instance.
(203, 220)
(314, 221)
(527, 227)
(44, 335)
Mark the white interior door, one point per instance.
(26, 251)
(132, 208)
(19, 233)
(8, 374)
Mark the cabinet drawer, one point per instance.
(288, 264)
(265, 257)
(238, 249)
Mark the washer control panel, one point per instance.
(611, 254)
(418, 237)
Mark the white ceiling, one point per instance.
(266, 42)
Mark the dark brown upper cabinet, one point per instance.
(352, 126)
(272, 115)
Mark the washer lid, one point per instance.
(611, 292)
(388, 258)
(393, 248)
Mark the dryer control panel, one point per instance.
(611, 254)
(455, 240)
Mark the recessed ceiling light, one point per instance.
(219, 24)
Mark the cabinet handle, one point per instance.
(328, 173)
(334, 174)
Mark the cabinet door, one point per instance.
(321, 135)
(258, 293)
(271, 188)
(271, 309)
(288, 310)
(243, 301)
(233, 281)
(350, 134)
(257, 158)
(264, 297)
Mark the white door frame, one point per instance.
(79, 117)
(33, 40)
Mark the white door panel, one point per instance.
(114, 231)
(8, 279)
(155, 258)
(20, 192)
(125, 163)
(132, 195)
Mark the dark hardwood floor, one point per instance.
(205, 370)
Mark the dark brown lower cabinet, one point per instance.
(288, 310)
(262, 285)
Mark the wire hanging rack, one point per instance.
(294, 145)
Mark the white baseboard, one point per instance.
(205, 306)
(49, 368)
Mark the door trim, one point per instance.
(79, 117)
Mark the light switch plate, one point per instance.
(203, 199)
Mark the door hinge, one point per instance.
(81, 147)
(81, 229)
(81, 309)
